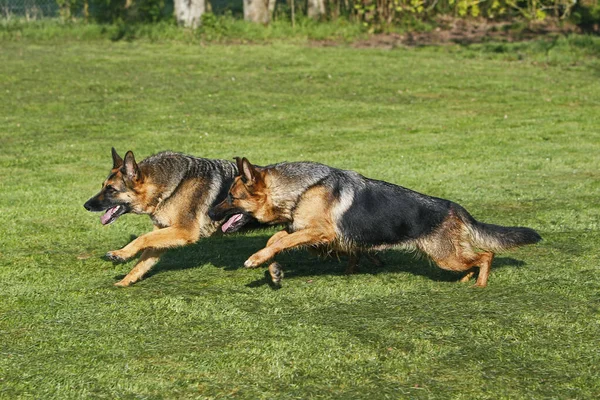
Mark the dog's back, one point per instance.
(384, 214)
(365, 212)
(373, 213)
(183, 188)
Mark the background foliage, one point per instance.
(376, 15)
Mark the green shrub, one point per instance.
(587, 16)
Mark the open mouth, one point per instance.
(112, 214)
(234, 222)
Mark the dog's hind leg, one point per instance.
(451, 248)
(468, 275)
(353, 260)
(148, 259)
(485, 264)
(375, 260)
(465, 262)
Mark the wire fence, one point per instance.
(30, 9)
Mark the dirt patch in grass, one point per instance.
(453, 30)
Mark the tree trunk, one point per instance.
(189, 12)
(271, 6)
(257, 11)
(315, 8)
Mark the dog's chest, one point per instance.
(162, 221)
(165, 215)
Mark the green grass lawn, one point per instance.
(511, 132)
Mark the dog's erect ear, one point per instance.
(117, 160)
(238, 163)
(248, 172)
(130, 167)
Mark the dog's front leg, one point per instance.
(276, 237)
(311, 236)
(173, 236)
(148, 259)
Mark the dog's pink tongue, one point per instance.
(105, 219)
(235, 218)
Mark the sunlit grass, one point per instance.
(515, 142)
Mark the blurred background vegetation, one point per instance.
(371, 15)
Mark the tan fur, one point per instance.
(257, 200)
(315, 219)
(180, 227)
(147, 260)
(276, 273)
(178, 211)
(312, 226)
(314, 215)
(276, 237)
(450, 247)
(313, 200)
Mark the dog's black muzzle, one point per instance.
(111, 209)
(219, 213)
(94, 204)
(233, 218)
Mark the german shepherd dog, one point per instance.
(324, 206)
(176, 191)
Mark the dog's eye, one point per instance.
(109, 188)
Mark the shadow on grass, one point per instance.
(303, 264)
(229, 252)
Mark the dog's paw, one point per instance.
(115, 256)
(254, 261)
(123, 283)
(257, 259)
(276, 273)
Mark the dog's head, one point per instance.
(120, 193)
(248, 196)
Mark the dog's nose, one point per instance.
(211, 214)
(87, 206)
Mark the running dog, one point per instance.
(176, 191)
(327, 207)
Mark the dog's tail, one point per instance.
(496, 238)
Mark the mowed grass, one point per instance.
(514, 141)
